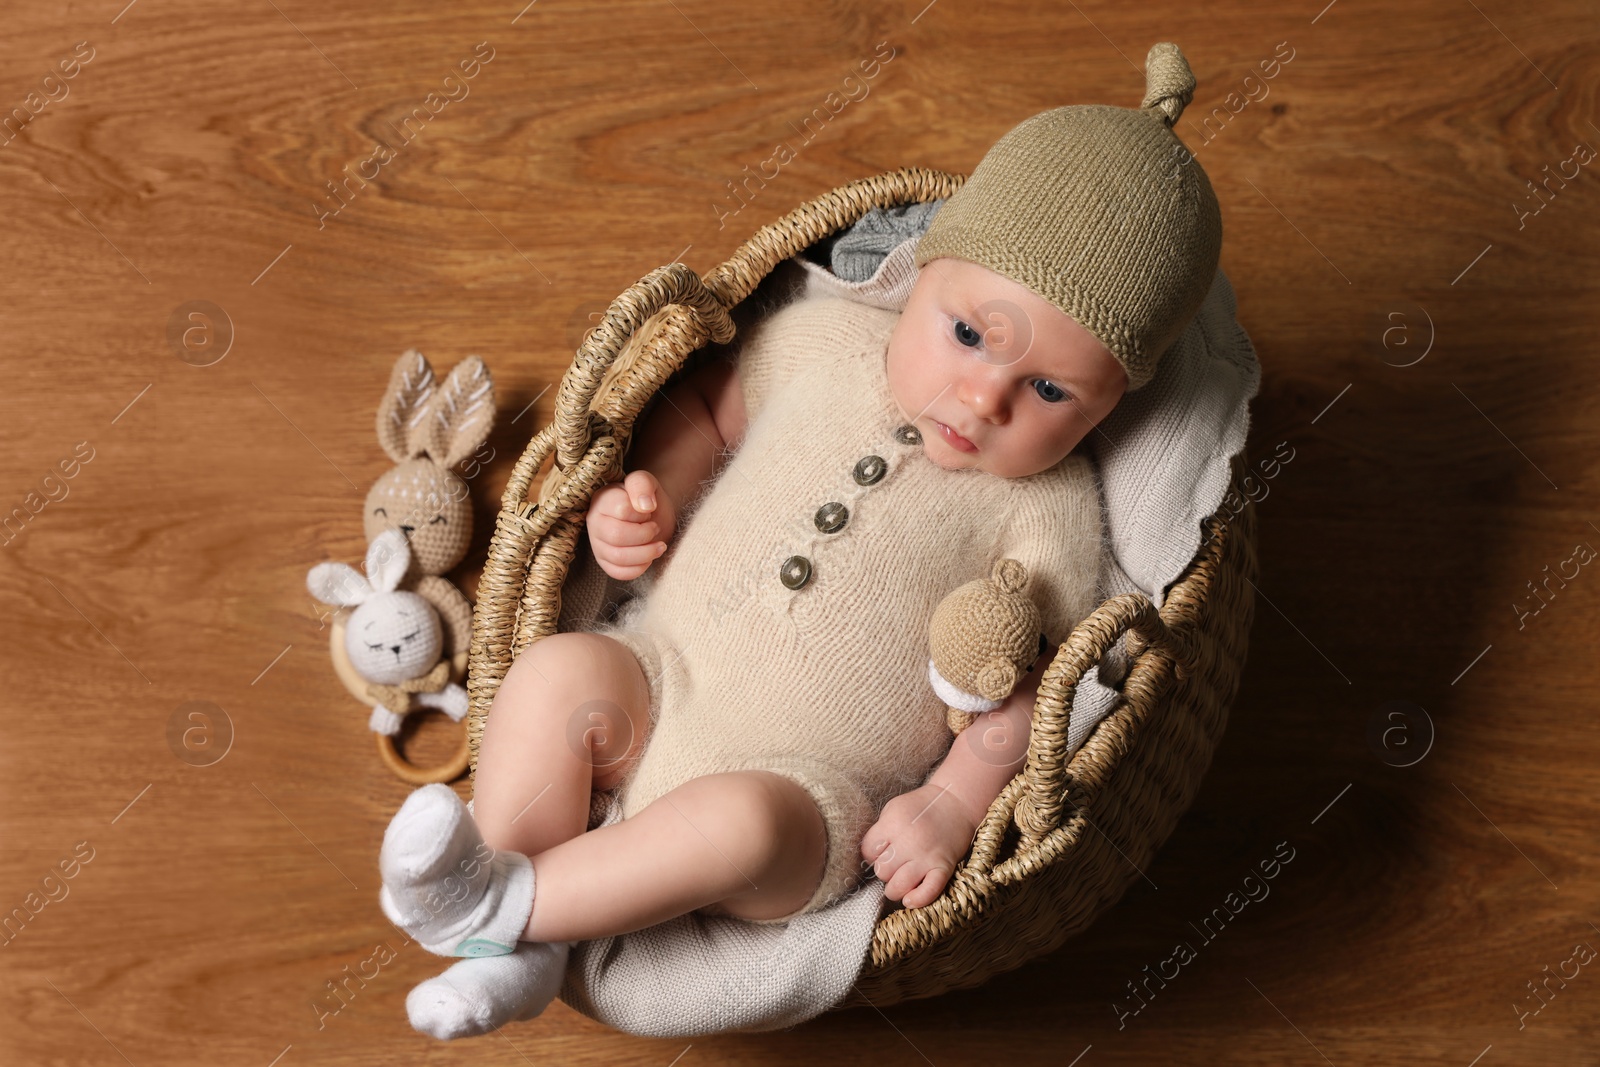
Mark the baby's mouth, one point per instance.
(953, 439)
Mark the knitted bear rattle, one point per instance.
(983, 638)
(394, 639)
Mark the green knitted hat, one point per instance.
(1100, 210)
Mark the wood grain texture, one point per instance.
(1370, 190)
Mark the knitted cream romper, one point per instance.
(788, 628)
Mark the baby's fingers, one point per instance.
(883, 862)
(617, 501)
(927, 891)
(621, 533)
(873, 843)
(642, 488)
(911, 883)
(906, 875)
(636, 555)
(625, 564)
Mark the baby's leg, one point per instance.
(570, 716)
(752, 842)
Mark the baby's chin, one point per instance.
(950, 459)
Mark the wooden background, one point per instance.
(1429, 359)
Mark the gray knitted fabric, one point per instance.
(858, 251)
(706, 974)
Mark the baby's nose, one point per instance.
(983, 398)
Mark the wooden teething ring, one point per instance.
(406, 771)
(388, 751)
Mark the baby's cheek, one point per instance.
(907, 369)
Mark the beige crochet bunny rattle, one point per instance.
(983, 638)
(428, 430)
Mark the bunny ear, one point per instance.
(461, 413)
(400, 413)
(338, 583)
(388, 558)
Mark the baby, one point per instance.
(765, 713)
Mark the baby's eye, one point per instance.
(375, 648)
(967, 335)
(410, 635)
(381, 511)
(1050, 390)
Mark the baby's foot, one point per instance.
(443, 885)
(479, 995)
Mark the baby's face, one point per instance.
(995, 376)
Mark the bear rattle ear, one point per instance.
(997, 679)
(1010, 577)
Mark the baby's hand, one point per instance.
(916, 843)
(630, 523)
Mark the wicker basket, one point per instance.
(1065, 838)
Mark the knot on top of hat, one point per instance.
(1169, 83)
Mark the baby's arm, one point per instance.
(678, 448)
(922, 835)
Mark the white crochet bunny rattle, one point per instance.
(394, 640)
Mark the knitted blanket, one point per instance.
(1163, 456)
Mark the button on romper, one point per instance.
(788, 629)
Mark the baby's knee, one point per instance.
(556, 656)
(573, 664)
(586, 686)
(772, 831)
(763, 814)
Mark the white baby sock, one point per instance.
(479, 995)
(443, 885)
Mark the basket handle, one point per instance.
(673, 283)
(1038, 810)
